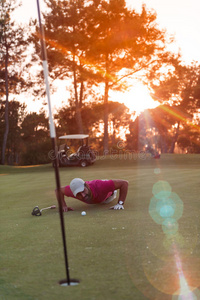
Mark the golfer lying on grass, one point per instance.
(95, 192)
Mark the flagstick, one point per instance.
(54, 146)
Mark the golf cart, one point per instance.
(83, 157)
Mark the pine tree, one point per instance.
(12, 44)
(93, 42)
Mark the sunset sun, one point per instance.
(137, 98)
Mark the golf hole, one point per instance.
(72, 282)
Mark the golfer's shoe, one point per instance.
(111, 198)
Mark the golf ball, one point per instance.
(83, 213)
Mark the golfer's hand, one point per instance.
(117, 206)
(66, 208)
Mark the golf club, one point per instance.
(38, 212)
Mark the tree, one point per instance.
(118, 119)
(95, 41)
(179, 92)
(163, 121)
(92, 116)
(139, 132)
(14, 142)
(13, 45)
(189, 140)
(125, 40)
(35, 136)
(66, 42)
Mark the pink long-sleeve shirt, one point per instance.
(101, 190)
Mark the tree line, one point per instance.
(94, 46)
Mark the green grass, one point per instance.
(115, 254)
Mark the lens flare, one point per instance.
(161, 189)
(165, 208)
(166, 268)
(170, 226)
(166, 211)
(185, 292)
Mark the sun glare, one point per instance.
(137, 99)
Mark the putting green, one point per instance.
(115, 254)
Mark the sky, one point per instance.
(180, 18)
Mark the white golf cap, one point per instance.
(77, 185)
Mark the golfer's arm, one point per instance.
(122, 186)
